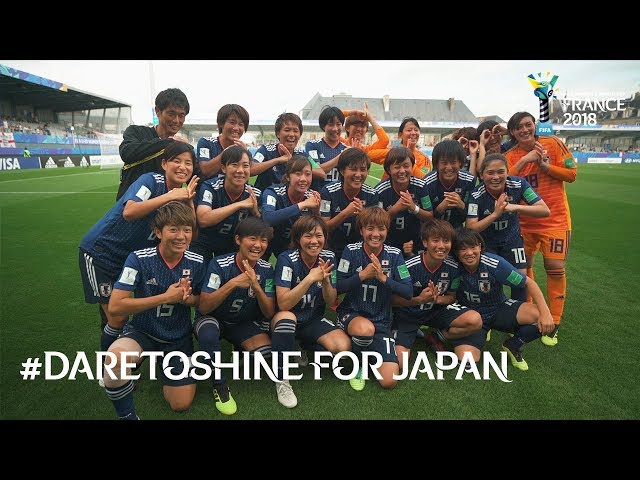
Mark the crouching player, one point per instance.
(305, 285)
(165, 281)
(237, 299)
(435, 278)
(481, 282)
(370, 272)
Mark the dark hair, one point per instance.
(295, 164)
(470, 133)
(514, 121)
(305, 224)
(176, 148)
(174, 213)
(406, 120)
(465, 237)
(353, 156)
(486, 125)
(254, 226)
(233, 154)
(398, 155)
(373, 216)
(492, 157)
(437, 229)
(355, 120)
(327, 114)
(172, 96)
(227, 110)
(448, 149)
(290, 118)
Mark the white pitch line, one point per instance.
(31, 179)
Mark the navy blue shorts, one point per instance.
(513, 252)
(438, 317)
(97, 278)
(149, 344)
(383, 342)
(234, 333)
(504, 320)
(308, 333)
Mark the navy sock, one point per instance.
(122, 399)
(283, 339)
(109, 335)
(528, 333)
(208, 334)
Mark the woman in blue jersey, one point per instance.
(127, 227)
(483, 276)
(283, 204)
(494, 206)
(166, 282)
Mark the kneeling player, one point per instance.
(370, 272)
(166, 282)
(435, 278)
(481, 282)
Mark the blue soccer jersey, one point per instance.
(334, 200)
(208, 148)
(146, 274)
(280, 212)
(446, 277)
(482, 289)
(506, 229)
(241, 305)
(463, 186)
(275, 174)
(291, 270)
(219, 238)
(112, 238)
(321, 153)
(371, 299)
(406, 225)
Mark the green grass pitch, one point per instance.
(591, 374)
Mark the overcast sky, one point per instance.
(267, 88)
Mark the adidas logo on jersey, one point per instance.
(152, 281)
(337, 209)
(359, 269)
(487, 212)
(417, 284)
(297, 279)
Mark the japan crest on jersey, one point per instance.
(484, 286)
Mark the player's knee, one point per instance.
(388, 382)
(342, 343)
(363, 328)
(180, 404)
(472, 320)
(528, 313)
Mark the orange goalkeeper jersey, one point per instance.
(549, 185)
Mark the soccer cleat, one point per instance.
(357, 382)
(516, 358)
(420, 333)
(435, 340)
(224, 401)
(488, 335)
(303, 361)
(285, 394)
(551, 340)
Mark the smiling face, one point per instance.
(469, 255)
(332, 131)
(400, 172)
(178, 170)
(448, 169)
(174, 239)
(374, 236)
(410, 134)
(232, 129)
(311, 243)
(524, 132)
(236, 174)
(289, 135)
(494, 176)
(354, 175)
(171, 119)
(251, 247)
(299, 182)
(437, 248)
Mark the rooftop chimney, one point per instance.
(386, 102)
(452, 104)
